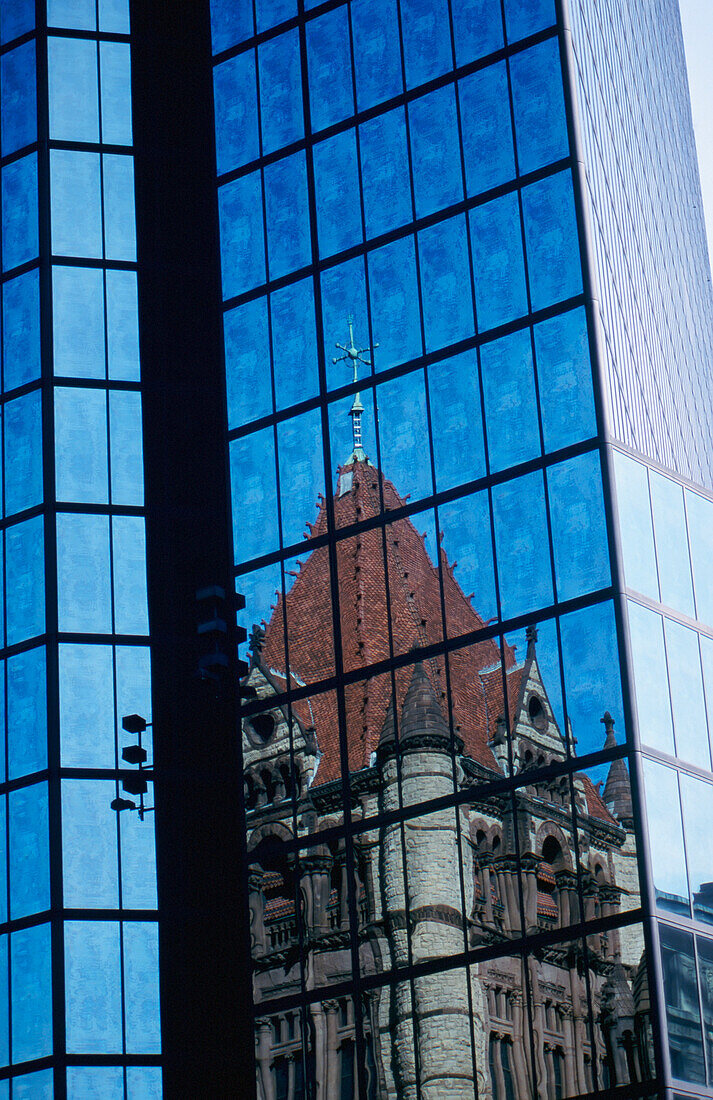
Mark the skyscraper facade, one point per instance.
(467, 322)
(392, 316)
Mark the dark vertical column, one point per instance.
(203, 930)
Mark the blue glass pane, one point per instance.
(538, 106)
(236, 125)
(456, 423)
(700, 531)
(522, 545)
(21, 329)
(343, 296)
(83, 574)
(330, 78)
(426, 32)
(34, 1086)
(76, 203)
(468, 547)
(435, 149)
(510, 401)
(133, 689)
(86, 706)
(299, 444)
(143, 1083)
(294, 343)
(127, 461)
(25, 580)
(230, 23)
(78, 316)
(384, 172)
(129, 553)
(523, 17)
(697, 803)
(16, 17)
(477, 27)
(336, 175)
(20, 231)
(138, 859)
(73, 89)
(377, 57)
(590, 662)
(143, 1021)
(579, 530)
(93, 987)
(122, 320)
(242, 247)
(635, 524)
(402, 416)
(26, 713)
(498, 266)
(287, 213)
(552, 239)
(18, 104)
(29, 860)
(394, 303)
(114, 16)
(81, 469)
(697, 799)
(668, 857)
(31, 996)
(3, 736)
(271, 12)
(119, 216)
(247, 362)
(80, 15)
(671, 543)
(3, 914)
(650, 678)
(115, 59)
(4, 1008)
(282, 116)
(90, 863)
(23, 452)
(252, 467)
(487, 129)
(445, 283)
(686, 686)
(565, 376)
(95, 1082)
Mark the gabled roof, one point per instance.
(414, 613)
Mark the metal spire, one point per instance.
(355, 355)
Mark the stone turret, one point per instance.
(427, 898)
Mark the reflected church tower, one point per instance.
(433, 882)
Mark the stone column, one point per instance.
(521, 1037)
(320, 1051)
(570, 1075)
(331, 1011)
(263, 1054)
(529, 882)
(256, 903)
(487, 892)
(499, 1082)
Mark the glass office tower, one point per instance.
(78, 949)
(393, 317)
(465, 293)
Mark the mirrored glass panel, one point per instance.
(668, 855)
(685, 1043)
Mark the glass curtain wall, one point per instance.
(444, 877)
(78, 943)
(667, 538)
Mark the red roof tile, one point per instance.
(415, 616)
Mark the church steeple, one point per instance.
(354, 355)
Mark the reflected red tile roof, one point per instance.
(363, 561)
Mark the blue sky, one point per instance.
(697, 19)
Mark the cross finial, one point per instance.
(355, 355)
(352, 353)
